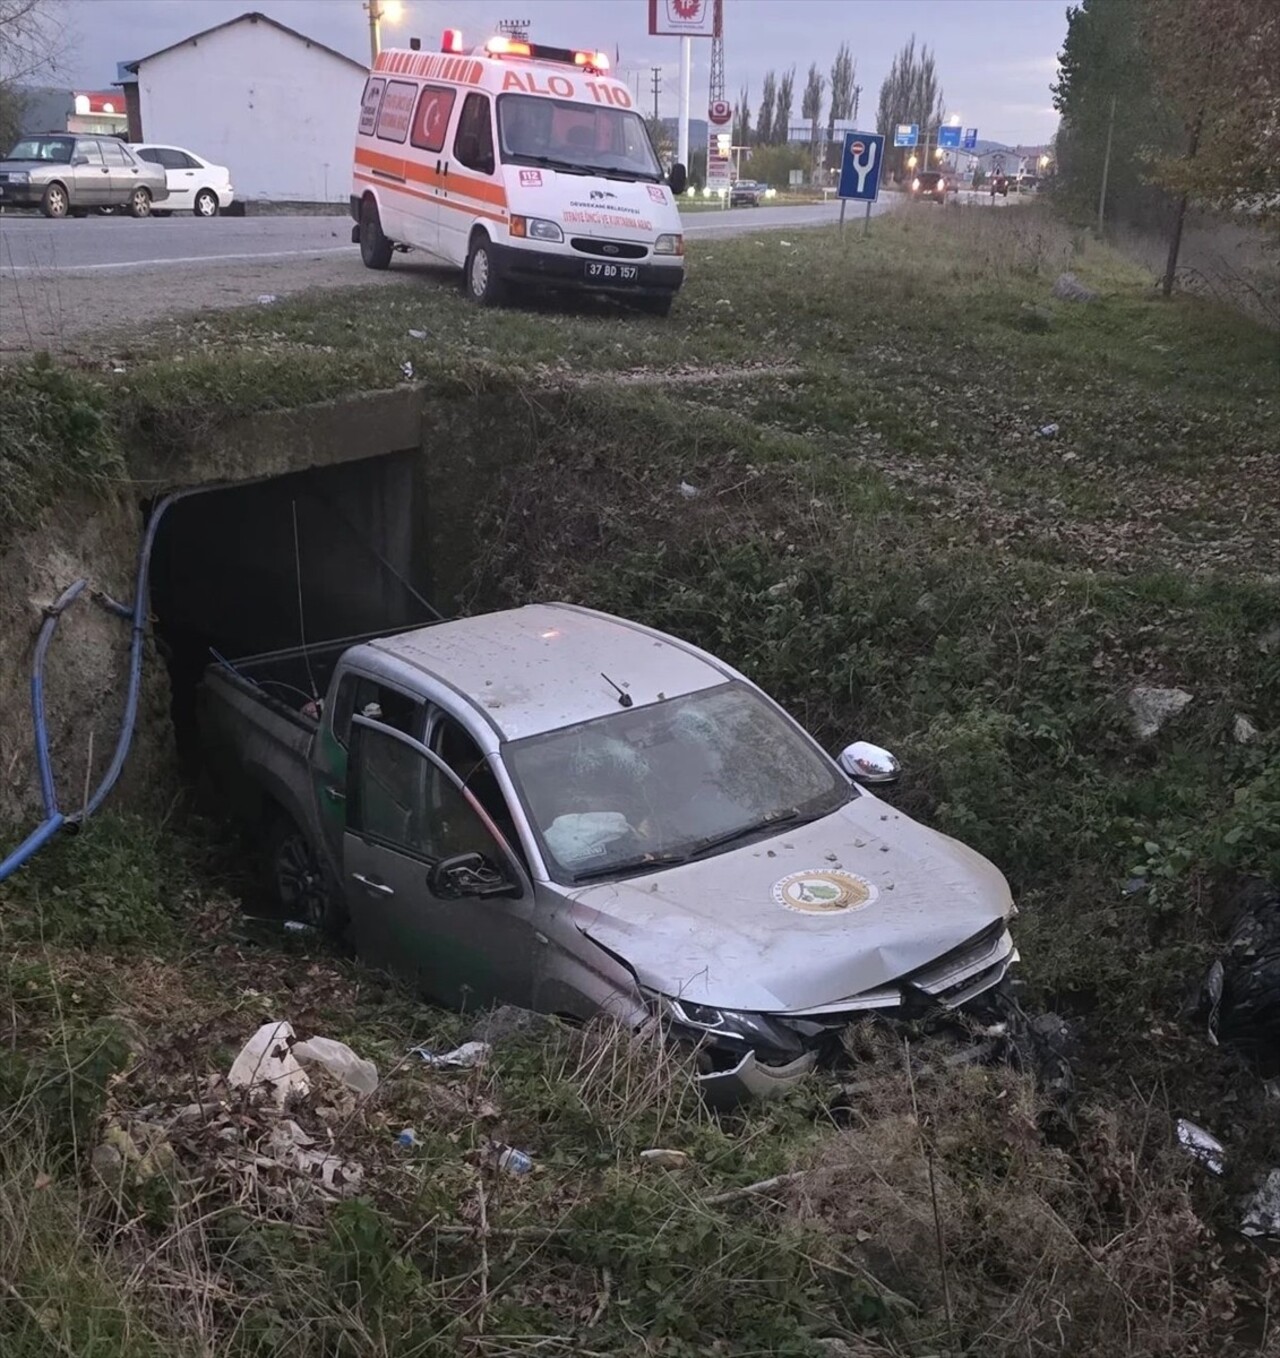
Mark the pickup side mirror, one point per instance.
(867, 763)
(678, 179)
(468, 874)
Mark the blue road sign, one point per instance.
(949, 138)
(906, 134)
(860, 165)
(970, 141)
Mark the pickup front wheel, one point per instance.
(298, 882)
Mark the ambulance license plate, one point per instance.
(599, 272)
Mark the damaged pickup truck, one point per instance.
(559, 809)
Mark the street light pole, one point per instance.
(375, 29)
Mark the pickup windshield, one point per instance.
(688, 776)
(561, 134)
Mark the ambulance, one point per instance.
(523, 165)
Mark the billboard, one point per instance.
(719, 165)
(682, 18)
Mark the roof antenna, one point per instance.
(624, 698)
(302, 617)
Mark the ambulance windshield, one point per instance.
(561, 134)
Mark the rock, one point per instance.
(1069, 288)
(1034, 319)
(1269, 641)
(1244, 731)
(107, 1163)
(1152, 707)
(507, 1021)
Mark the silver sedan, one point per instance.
(65, 175)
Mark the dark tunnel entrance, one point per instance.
(315, 555)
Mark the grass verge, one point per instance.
(875, 527)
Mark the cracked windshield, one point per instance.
(669, 781)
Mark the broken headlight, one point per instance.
(757, 1031)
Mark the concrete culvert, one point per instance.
(312, 556)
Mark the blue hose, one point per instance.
(116, 767)
(37, 839)
(54, 819)
(43, 762)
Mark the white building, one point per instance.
(276, 107)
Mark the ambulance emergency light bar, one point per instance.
(517, 47)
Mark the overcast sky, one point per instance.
(996, 58)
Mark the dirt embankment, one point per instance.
(87, 664)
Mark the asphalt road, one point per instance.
(107, 244)
(62, 279)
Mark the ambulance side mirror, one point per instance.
(678, 179)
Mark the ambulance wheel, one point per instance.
(484, 287)
(375, 248)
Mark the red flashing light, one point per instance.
(452, 41)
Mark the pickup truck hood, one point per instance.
(813, 917)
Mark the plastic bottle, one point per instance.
(514, 1161)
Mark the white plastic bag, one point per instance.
(340, 1061)
(266, 1062)
(460, 1058)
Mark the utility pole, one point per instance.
(1106, 168)
(375, 30)
(655, 80)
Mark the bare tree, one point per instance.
(31, 39)
(31, 42)
(844, 92)
(782, 109)
(811, 108)
(764, 120)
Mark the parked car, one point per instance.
(1026, 183)
(931, 184)
(195, 184)
(65, 175)
(559, 809)
(746, 193)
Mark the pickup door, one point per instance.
(407, 813)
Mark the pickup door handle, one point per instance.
(378, 888)
(335, 794)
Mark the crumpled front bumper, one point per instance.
(752, 1079)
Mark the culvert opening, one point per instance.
(316, 556)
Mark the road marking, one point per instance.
(186, 259)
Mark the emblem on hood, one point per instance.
(824, 891)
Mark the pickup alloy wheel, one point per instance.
(298, 882)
